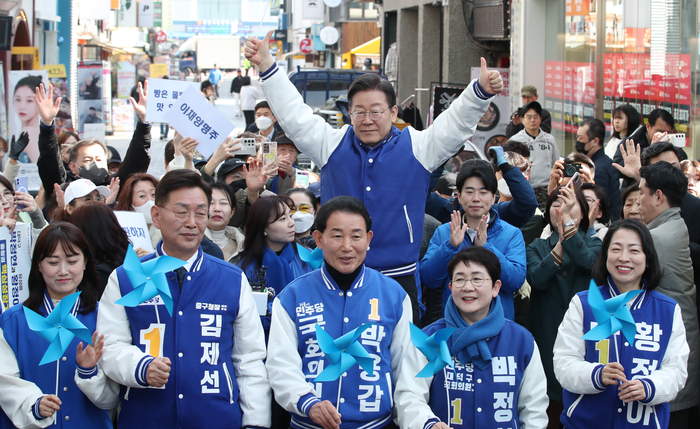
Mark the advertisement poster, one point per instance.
(127, 13)
(122, 115)
(23, 114)
(107, 96)
(570, 92)
(443, 96)
(493, 124)
(126, 78)
(90, 109)
(15, 262)
(3, 108)
(59, 80)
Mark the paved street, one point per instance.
(225, 104)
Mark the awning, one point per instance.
(293, 54)
(371, 47)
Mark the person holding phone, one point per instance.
(558, 267)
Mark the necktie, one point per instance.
(180, 276)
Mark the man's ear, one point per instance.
(318, 238)
(155, 216)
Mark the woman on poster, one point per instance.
(28, 112)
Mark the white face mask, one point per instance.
(263, 122)
(145, 210)
(302, 222)
(503, 188)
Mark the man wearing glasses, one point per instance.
(385, 168)
(180, 370)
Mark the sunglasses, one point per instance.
(304, 208)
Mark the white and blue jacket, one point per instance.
(23, 382)
(214, 340)
(392, 178)
(503, 239)
(658, 358)
(510, 393)
(364, 401)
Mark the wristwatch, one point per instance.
(569, 223)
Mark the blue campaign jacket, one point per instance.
(77, 411)
(516, 212)
(485, 398)
(504, 240)
(653, 314)
(202, 386)
(365, 401)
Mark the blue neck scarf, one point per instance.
(469, 342)
(280, 270)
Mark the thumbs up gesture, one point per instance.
(258, 51)
(490, 80)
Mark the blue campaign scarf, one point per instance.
(469, 342)
(281, 268)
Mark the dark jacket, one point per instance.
(640, 138)
(254, 129)
(50, 164)
(608, 178)
(236, 85)
(690, 212)
(516, 212)
(546, 125)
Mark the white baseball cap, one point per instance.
(82, 187)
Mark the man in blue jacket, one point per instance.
(202, 364)
(385, 168)
(479, 226)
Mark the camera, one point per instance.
(571, 169)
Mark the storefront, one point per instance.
(599, 54)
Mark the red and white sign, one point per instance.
(161, 37)
(305, 46)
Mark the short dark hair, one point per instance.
(580, 158)
(97, 221)
(580, 199)
(477, 255)
(84, 143)
(32, 82)
(72, 240)
(596, 128)
(604, 199)
(658, 148)
(245, 80)
(662, 114)
(310, 195)
(169, 151)
(652, 273)
(262, 104)
(179, 179)
(227, 190)
(668, 179)
(369, 82)
(205, 84)
(341, 204)
(633, 119)
(477, 168)
(517, 147)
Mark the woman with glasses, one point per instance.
(78, 193)
(269, 257)
(304, 215)
(20, 207)
(558, 267)
(495, 377)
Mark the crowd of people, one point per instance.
(525, 290)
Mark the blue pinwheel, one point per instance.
(314, 258)
(148, 279)
(612, 315)
(58, 328)
(434, 348)
(343, 353)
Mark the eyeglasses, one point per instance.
(304, 208)
(591, 200)
(374, 115)
(8, 195)
(200, 217)
(531, 117)
(475, 281)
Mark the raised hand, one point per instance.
(255, 175)
(457, 230)
(632, 159)
(187, 147)
(89, 356)
(18, 146)
(60, 195)
(258, 51)
(48, 109)
(481, 231)
(140, 107)
(113, 189)
(491, 80)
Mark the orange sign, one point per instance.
(578, 7)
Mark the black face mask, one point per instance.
(581, 147)
(95, 174)
(238, 184)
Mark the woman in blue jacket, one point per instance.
(623, 383)
(269, 257)
(36, 395)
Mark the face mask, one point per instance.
(581, 147)
(503, 188)
(263, 122)
(93, 173)
(238, 184)
(145, 210)
(302, 222)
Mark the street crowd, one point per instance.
(527, 290)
